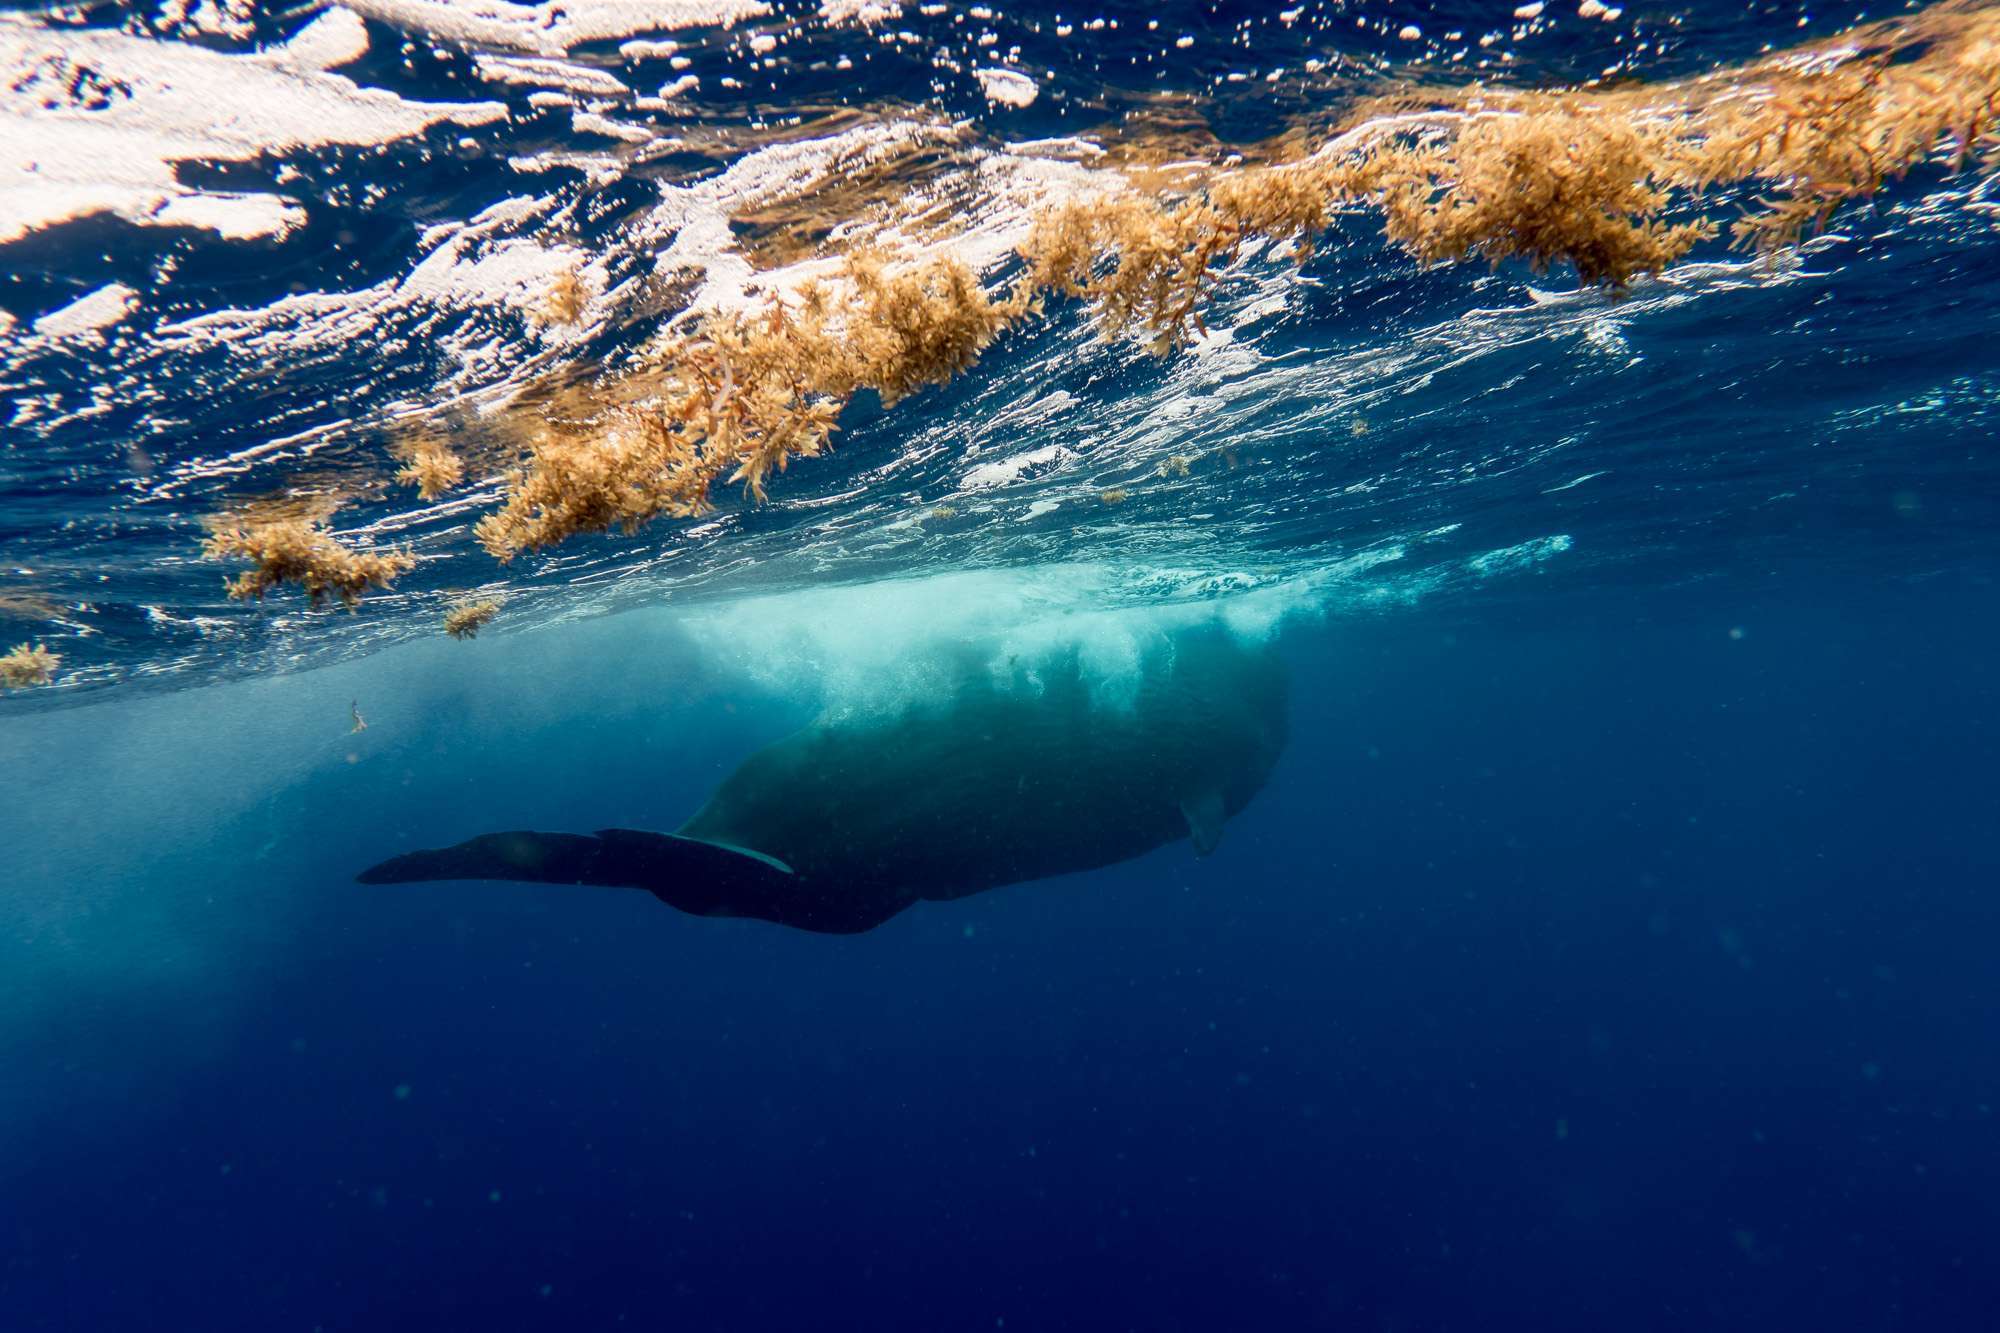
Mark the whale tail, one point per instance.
(701, 878)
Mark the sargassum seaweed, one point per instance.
(1616, 184)
(1612, 184)
(295, 551)
(432, 468)
(28, 665)
(466, 619)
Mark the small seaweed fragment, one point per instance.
(1116, 495)
(432, 468)
(466, 619)
(27, 665)
(565, 298)
(295, 551)
(1174, 465)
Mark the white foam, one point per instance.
(511, 212)
(866, 13)
(1007, 471)
(334, 38)
(210, 18)
(126, 110)
(529, 72)
(513, 272)
(551, 29)
(1513, 559)
(233, 217)
(88, 314)
(860, 645)
(589, 122)
(1006, 87)
(1075, 150)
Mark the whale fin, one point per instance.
(1204, 814)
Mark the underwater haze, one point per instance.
(1319, 667)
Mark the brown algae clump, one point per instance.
(465, 620)
(1143, 263)
(26, 666)
(295, 551)
(432, 468)
(1586, 178)
(745, 394)
(1559, 184)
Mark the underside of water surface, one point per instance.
(264, 268)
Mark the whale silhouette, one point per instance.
(1004, 778)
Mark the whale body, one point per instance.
(1003, 778)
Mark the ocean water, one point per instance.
(1612, 946)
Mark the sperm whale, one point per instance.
(1004, 778)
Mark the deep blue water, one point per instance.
(1586, 965)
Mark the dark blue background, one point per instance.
(1584, 967)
